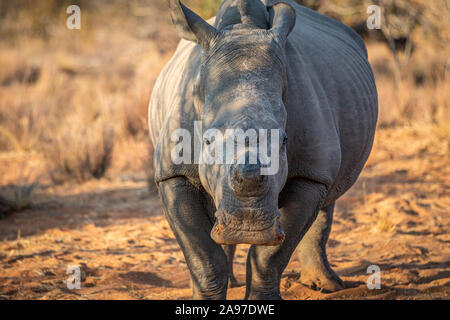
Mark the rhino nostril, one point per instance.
(250, 171)
(247, 180)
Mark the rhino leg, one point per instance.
(300, 202)
(185, 209)
(316, 272)
(229, 252)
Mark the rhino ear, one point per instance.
(190, 26)
(282, 18)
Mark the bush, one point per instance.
(15, 198)
(206, 8)
(81, 150)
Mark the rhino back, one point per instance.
(332, 102)
(170, 91)
(172, 107)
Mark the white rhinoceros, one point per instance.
(260, 66)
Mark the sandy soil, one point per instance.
(396, 217)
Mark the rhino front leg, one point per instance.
(184, 206)
(316, 272)
(300, 202)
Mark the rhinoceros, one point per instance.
(270, 65)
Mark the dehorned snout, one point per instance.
(250, 227)
(246, 180)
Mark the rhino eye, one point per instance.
(207, 142)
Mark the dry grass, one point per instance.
(74, 96)
(207, 8)
(411, 100)
(384, 223)
(80, 152)
(18, 196)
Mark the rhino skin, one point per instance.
(270, 65)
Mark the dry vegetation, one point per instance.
(72, 96)
(75, 155)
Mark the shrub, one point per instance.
(15, 198)
(81, 150)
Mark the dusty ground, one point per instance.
(396, 216)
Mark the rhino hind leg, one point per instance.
(229, 252)
(316, 272)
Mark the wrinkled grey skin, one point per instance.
(270, 66)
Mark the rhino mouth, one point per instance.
(248, 227)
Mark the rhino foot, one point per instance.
(234, 283)
(325, 281)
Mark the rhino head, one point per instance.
(241, 86)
